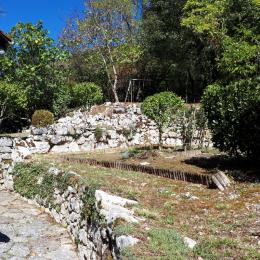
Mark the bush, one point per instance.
(13, 105)
(86, 95)
(162, 108)
(98, 134)
(42, 118)
(233, 113)
(193, 124)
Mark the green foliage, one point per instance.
(86, 95)
(13, 102)
(162, 108)
(25, 179)
(33, 181)
(107, 29)
(232, 103)
(124, 229)
(169, 243)
(42, 118)
(193, 124)
(233, 113)
(215, 249)
(98, 134)
(89, 211)
(38, 67)
(175, 57)
(204, 16)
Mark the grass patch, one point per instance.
(124, 229)
(168, 244)
(216, 249)
(147, 214)
(222, 206)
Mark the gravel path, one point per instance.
(32, 233)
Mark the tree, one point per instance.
(109, 27)
(38, 67)
(232, 102)
(175, 57)
(13, 102)
(162, 108)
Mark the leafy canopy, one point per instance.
(13, 101)
(37, 66)
(232, 103)
(162, 109)
(86, 95)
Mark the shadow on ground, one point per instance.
(242, 170)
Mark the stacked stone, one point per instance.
(121, 125)
(95, 237)
(6, 150)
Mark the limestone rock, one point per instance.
(41, 147)
(107, 199)
(189, 242)
(6, 142)
(126, 241)
(39, 131)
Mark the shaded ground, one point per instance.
(167, 159)
(226, 224)
(32, 233)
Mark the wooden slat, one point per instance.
(220, 180)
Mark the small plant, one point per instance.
(42, 118)
(193, 125)
(98, 134)
(133, 151)
(86, 95)
(188, 127)
(162, 108)
(89, 211)
(132, 194)
(222, 206)
(169, 220)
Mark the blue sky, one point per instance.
(53, 13)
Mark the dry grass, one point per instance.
(225, 224)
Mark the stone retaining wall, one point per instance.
(106, 126)
(94, 236)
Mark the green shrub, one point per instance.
(162, 108)
(13, 106)
(233, 112)
(86, 95)
(98, 133)
(42, 118)
(193, 124)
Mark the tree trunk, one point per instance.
(160, 139)
(114, 87)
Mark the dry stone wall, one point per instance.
(94, 236)
(106, 126)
